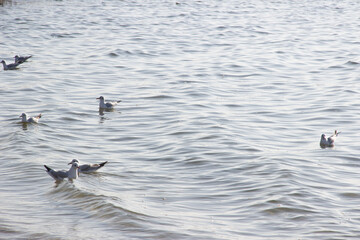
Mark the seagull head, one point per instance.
(323, 136)
(74, 161)
(75, 165)
(101, 98)
(23, 115)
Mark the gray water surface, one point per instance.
(217, 135)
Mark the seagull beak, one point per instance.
(98, 98)
(69, 163)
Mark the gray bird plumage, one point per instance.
(25, 119)
(107, 105)
(11, 66)
(88, 168)
(72, 173)
(20, 60)
(330, 141)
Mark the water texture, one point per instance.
(217, 135)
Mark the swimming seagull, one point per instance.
(21, 60)
(329, 142)
(72, 173)
(88, 168)
(106, 105)
(25, 119)
(11, 66)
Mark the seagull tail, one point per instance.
(39, 116)
(336, 132)
(102, 164)
(47, 168)
(118, 101)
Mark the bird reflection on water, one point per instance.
(102, 110)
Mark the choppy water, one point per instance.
(216, 137)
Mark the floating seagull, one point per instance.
(107, 105)
(11, 66)
(88, 168)
(21, 60)
(25, 119)
(72, 173)
(329, 142)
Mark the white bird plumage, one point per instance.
(107, 105)
(25, 119)
(88, 168)
(330, 141)
(72, 173)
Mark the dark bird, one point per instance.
(11, 66)
(20, 59)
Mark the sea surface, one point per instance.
(217, 135)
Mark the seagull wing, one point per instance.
(88, 168)
(84, 168)
(332, 138)
(57, 175)
(110, 104)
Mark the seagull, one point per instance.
(329, 142)
(11, 66)
(73, 172)
(88, 168)
(25, 119)
(106, 105)
(21, 60)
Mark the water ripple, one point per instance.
(216, 137)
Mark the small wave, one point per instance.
(261, 32)
(351, 91)
(336, 67)
(159, 97)
(64, 35)
(124, 139)
(350, 195)
(334, 109)
(102, 207)
(113, 54)
(352, 63)
(285, 210)
(180, 133)
(121, 52)
(7, 231)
